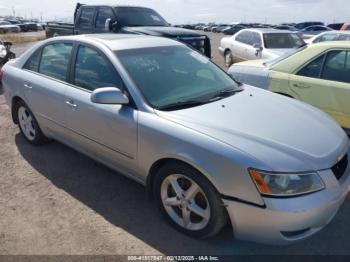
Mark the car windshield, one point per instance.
(138, 16)
(176, 75)
(282, 40)
(279, 59)
(4, 23)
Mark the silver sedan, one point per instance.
(211, 150)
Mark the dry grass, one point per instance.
(23, 37)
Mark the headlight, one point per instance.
(286, 185)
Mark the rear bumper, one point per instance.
(288, 220)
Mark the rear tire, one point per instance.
(28, 125)
(188, 201)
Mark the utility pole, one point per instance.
(13, 11)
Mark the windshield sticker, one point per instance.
(155, 18)
(199, 57)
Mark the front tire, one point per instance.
(189, 201)
(28, 125)
(228, 58)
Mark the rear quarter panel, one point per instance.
(11, 85)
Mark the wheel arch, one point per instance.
(168, 160)
(227, 49)
(15, 100)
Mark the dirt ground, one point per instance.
(17, 38)
(54, 200)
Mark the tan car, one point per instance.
(317, 74)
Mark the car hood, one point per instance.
(165, 31)
(252, 63)
(285, 134)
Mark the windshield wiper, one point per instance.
(182, 105)
(224, 93)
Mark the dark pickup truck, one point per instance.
(90, 19)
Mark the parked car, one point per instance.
(303, 25)
(210, 149)
(7, 27)
(209, 28)
(330, 36)
(31, 26)
(89, 19)
(336, 26)
(233, 29)
(310, 31)
(188, 26)
(345, 27)
(252, 44)
(219, 28)
(285, 27)
(317, 74)
(21, 25)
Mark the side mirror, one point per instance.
(110, 25)
(7, 43)
(109, 96)
(258, 49)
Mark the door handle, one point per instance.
(28, 86)
(301, 86)
(71, 104)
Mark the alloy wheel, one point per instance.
(185, 202)
(26, 122)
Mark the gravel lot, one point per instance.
(54, 200)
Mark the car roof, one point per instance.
(118, 42)
(335, 32)
(114, 5)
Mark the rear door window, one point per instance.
(244, 37)
(86, 17)
(337, 67)
(55, 59)
(32, 63)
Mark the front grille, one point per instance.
(340, 168)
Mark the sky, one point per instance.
(192, 11)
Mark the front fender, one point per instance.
(225, 167)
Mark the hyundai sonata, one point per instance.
(210, 149)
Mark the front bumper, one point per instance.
(287, 220)
(221, 50)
